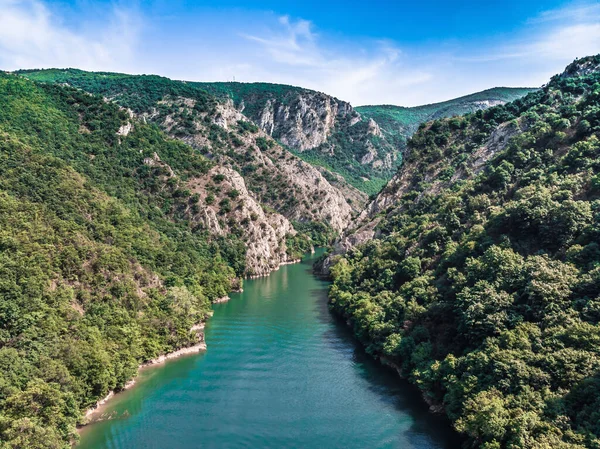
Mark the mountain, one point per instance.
(129, 203)
(318, 128)
(274, 177)
(399, 123)
(102, 264)
(364, 144)
(475, 272)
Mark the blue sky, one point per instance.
(366, 52)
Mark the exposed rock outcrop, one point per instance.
(305, 120)
(225, 206)
(582, 67)
(274, 176)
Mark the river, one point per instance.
(280, 372)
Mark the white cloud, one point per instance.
(362, 72)
(32, 36)
(259, 46)
(566, 42)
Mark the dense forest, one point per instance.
(482, 285)
(399, 123)
(100, 269)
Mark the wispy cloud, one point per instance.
(362, 71)
(263, 46)
(556, 34)
(580, 13)
(32, 36)
(369, 72)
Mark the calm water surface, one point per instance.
(280, 372)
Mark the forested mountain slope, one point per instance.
(399, 123)
(365, 148)
(482, 282)
(273, 175)
(101, 265)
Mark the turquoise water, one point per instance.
(280, 371)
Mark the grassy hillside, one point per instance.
(483, 285)
(100, 269)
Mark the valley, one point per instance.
(462, 252)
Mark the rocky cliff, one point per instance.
(275, 177)
(582, 67)
(318, 127)
(263, 187)
(306, 120)
(225, 206)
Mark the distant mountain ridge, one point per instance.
(404, 121)
(363, 144)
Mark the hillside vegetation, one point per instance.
(100, 268)
(363, 144)
(399, 123)
(482, 282)
(276, 177)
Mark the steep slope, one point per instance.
(399, 123)
(319, 128)
(364, 144)
(100, 268)
(274, 176)
(476, 271)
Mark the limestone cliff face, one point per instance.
(305, 120)
(582, 67)
(225, 206)
(222, 205)
(261, 186)
(273, 176)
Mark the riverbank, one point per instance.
(282, 372)
(189, 350)
(281, 264)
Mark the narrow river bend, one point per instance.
(280, 372)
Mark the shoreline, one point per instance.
(287, 262)
(161, 359)
(155, 362)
